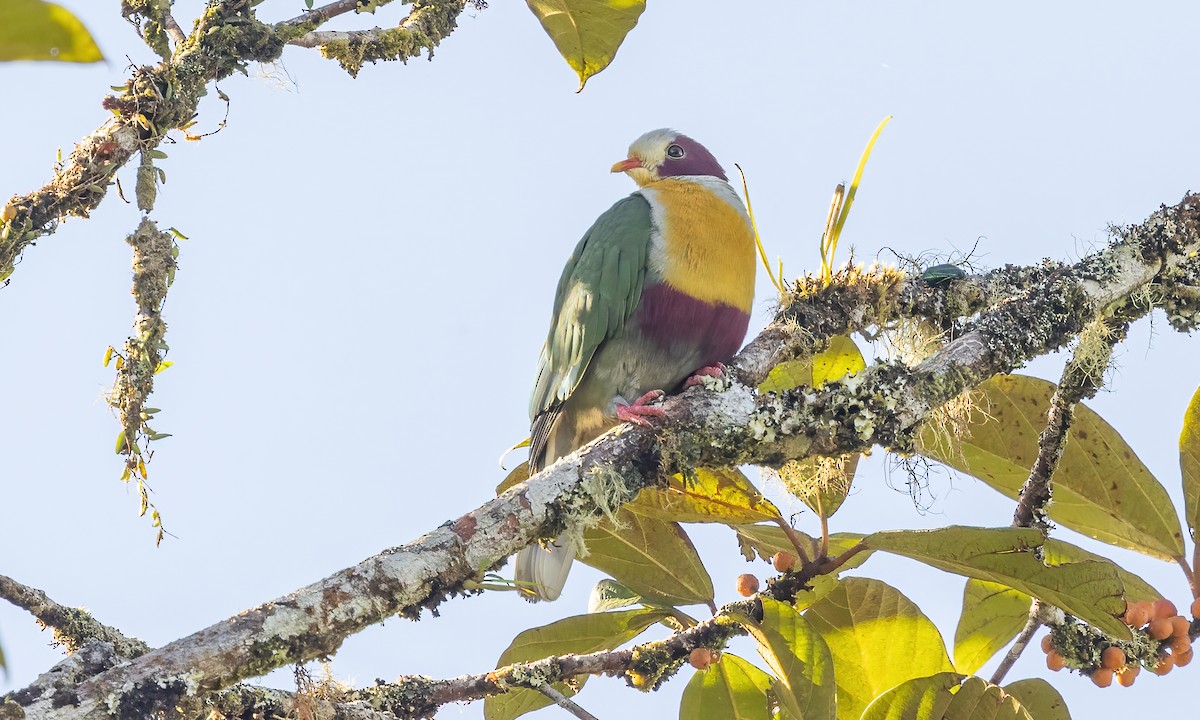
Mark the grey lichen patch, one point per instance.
(152, 698)
(10, 710)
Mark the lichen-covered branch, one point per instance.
(72, 627)
(884, 405)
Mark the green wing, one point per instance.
(598, 291)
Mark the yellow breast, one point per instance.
(706, 244)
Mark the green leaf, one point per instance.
(977, 699)
(724, 496)
(1101, 488)
(576, 634)
(1189, 463)
(925, 698)
(519, 474)
(732, 689)
(878, 639)
(587, 33)
(840, 359)
(992, 615)
(766, 540)
(36, 30)
(800, 659)
(1039, 698)
(1059, 552)
(654, 559)
(1089, 590)
(608, 594)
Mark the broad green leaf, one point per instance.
(1059, 552)
(576, 634)
(732, 689)
(992, 615)
(519, 474)
(878, 639)
(1101, 488)
(925, 698)
(36, 30)
(587, 33)
(724, 496)
(821, 483)
(654, 559)
(977, 699)
(1089, 590)
(1040, 698)
(799, 658)
(1189, 463)
(608, 594)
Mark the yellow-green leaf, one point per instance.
(654, 559)
(519, 474)
(576, 634)
(977, 699)
(1101, 488)
(732, 689)
(1039, 698)
(36, 30)
(608, 594)
(800, 659)
(840, 359)
(587, 33)
(878, 639)
(724, 496)
(992, 615)
(925, 698)
(1189, 463)
(766, 540)
(1090, 590)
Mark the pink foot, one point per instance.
(697, 378)
(640, 409)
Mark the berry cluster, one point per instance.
(1158, 622)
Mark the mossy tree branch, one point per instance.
(884, 405)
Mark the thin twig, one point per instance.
(794, 537)
(566, 703)
(319, 16)
(1018, 647)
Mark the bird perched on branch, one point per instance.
(659, 289)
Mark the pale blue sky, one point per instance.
(371, 264)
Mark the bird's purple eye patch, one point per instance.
(696, 160)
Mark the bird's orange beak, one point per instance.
(627, 164)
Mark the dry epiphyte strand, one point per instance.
(154, 261)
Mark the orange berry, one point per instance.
(1128, 675)
(1196, 607)
(1113, 658)
(1136, 614)
(1159, 628)
(1046, 646)
(1103, 677)
(1180, 627)
(783, 561)
(701, 658)
(1164, 665)
(747, 584)
(1183, 658)
(1055, 661)
(1180, 645)
(1164, 608)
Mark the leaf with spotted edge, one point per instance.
(941, 697)
(576, 634)
(587, 33)
(1040, 698)
(724, 496)
(1101, 488)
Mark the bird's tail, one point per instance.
(541, 572)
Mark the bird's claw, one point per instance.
(697, 378)
(640, 409)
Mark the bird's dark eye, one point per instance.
(675, 152)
